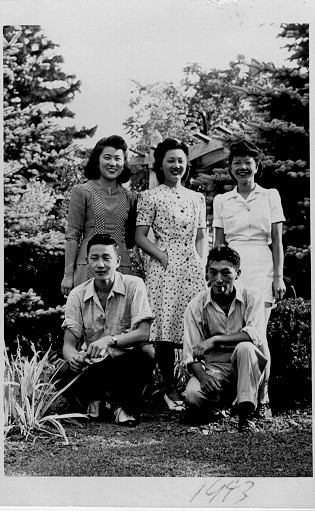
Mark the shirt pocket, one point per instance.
(261, 217)
(228, 217)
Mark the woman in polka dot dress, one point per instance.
(176, 268)
(101, 205)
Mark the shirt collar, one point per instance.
(238, 295)
(117, 287)
(234, 193)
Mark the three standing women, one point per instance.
(176, 270)
(101, 205)
(249, 219)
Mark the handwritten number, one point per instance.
(230, 487)
(197, 492)
(214, 493)
(245, 493)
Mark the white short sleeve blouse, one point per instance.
(248, 219)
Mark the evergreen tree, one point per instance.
(41, 162)
(281, 129)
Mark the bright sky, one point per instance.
(108, 43)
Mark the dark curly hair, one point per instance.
(245, 148)
(224, 253)
(92, 170)
(167, 145)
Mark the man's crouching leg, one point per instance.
(249, 364)
(201, 408)
(132, 372)
(77, 392)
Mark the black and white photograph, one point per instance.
(157, 319)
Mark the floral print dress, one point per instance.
(175, 216)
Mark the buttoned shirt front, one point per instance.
(204, 318)
(127, 305)
(248, 219)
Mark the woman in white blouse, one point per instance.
(249, 219)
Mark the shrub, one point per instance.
(27, 323)
(36, 262)
(289, 338)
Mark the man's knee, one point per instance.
(245, 347)
(193, 393)
(247, 351)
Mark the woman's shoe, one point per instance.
(94, 409)
(177, 406)
(124, 419)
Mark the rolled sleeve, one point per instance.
(217, 211)
(193, 333)
(254, 317)
(140, 307)
(145, 209)
(76, 215)
(73, 316)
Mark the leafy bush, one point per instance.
(26, 322)
(29, 394)
(36, 262)
(289, 338)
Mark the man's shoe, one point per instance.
(245, 414)
(124, 419)
(263, 411)
(245, 425)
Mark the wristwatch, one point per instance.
(115, 340)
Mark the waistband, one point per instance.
(252, 243)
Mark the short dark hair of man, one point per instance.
(102, 239)
(224, 253)
(92, 169)
(168, 145)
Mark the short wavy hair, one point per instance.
(245, 148)
(167, 145)
(102, 239)
(224, 253)
(92, 170)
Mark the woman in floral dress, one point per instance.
(101, 205)
(176, 270)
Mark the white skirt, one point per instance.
(256, 267)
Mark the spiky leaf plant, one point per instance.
(28, 397)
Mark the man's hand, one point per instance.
(209, 384)
(76, 362)
(100, 347)
(200, 350)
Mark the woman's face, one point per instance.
(111, 162)
(243, 168)
(174, 166)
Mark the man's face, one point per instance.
(103, 262)
(222, 275)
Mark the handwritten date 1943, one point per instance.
(232, 492)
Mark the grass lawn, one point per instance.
(163, 446)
